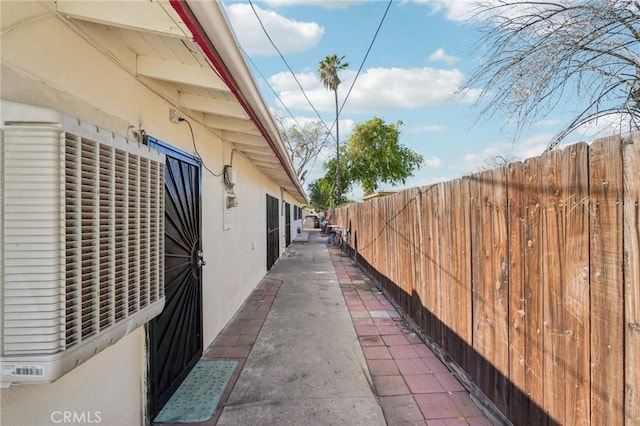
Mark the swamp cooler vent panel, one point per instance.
(82, 241)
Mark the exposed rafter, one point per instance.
(138, 15)
(177, 72)
(244, 138)
(230, 124)
(212, 106)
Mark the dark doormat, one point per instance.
(197, 397)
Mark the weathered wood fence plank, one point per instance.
(490, 285)
(517, 300)
(533, 292)
(461, 272)
(553, 288)
(575, 303)
(631, 164)
(607, 310)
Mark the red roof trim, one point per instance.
(205, 44)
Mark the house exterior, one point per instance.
(167, 80)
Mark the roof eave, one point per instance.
(211, 31)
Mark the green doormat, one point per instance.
(197, 397)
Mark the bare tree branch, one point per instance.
(543, 53)
(303, 144)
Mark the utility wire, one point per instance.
(283, 104)
(366, 55)
(288, 66)
(362, 63)
(271, 87)
(193, 139)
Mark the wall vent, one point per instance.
(82, 241)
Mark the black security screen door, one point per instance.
(273, 229)
(287, 223)
(175, 336)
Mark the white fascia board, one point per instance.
(140, 15)
(177, 72)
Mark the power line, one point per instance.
(288, 66)
(361, 65)
(283, 104)
(366, 55)
(270, 87)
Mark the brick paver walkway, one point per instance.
(414, 387)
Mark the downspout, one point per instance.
(207, 47)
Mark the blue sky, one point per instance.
(423, 52)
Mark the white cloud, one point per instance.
(531, 146)
(326, 4)
(454, 10)
(467, 10)
(441, 56)
(426, 128)
(470, 158)
(288, 35)
(377, 89)
(433, 162)
(605, 126)
(609, 125)
(547, 122)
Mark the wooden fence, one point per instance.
(527, 276)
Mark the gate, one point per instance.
(287, 223)
(273, 231)
(175, 336)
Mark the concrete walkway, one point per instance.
(318, 344)
(306, 367)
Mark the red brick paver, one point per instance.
(414, 387)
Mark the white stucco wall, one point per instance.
(45, 63)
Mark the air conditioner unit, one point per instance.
(82, 241)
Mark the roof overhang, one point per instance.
(187, 52)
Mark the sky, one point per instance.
(422, 54)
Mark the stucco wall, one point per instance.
(47, 64)
(105, 390)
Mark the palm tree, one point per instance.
(328, 71)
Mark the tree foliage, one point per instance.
(375, 156)
(303, 143)
(372, 155)
(322, 193)
(328, 72)
(542, 51)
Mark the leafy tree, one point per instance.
(328, 71)
(303, 143)
(376, 156)
(540, 50)
(322, 193)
